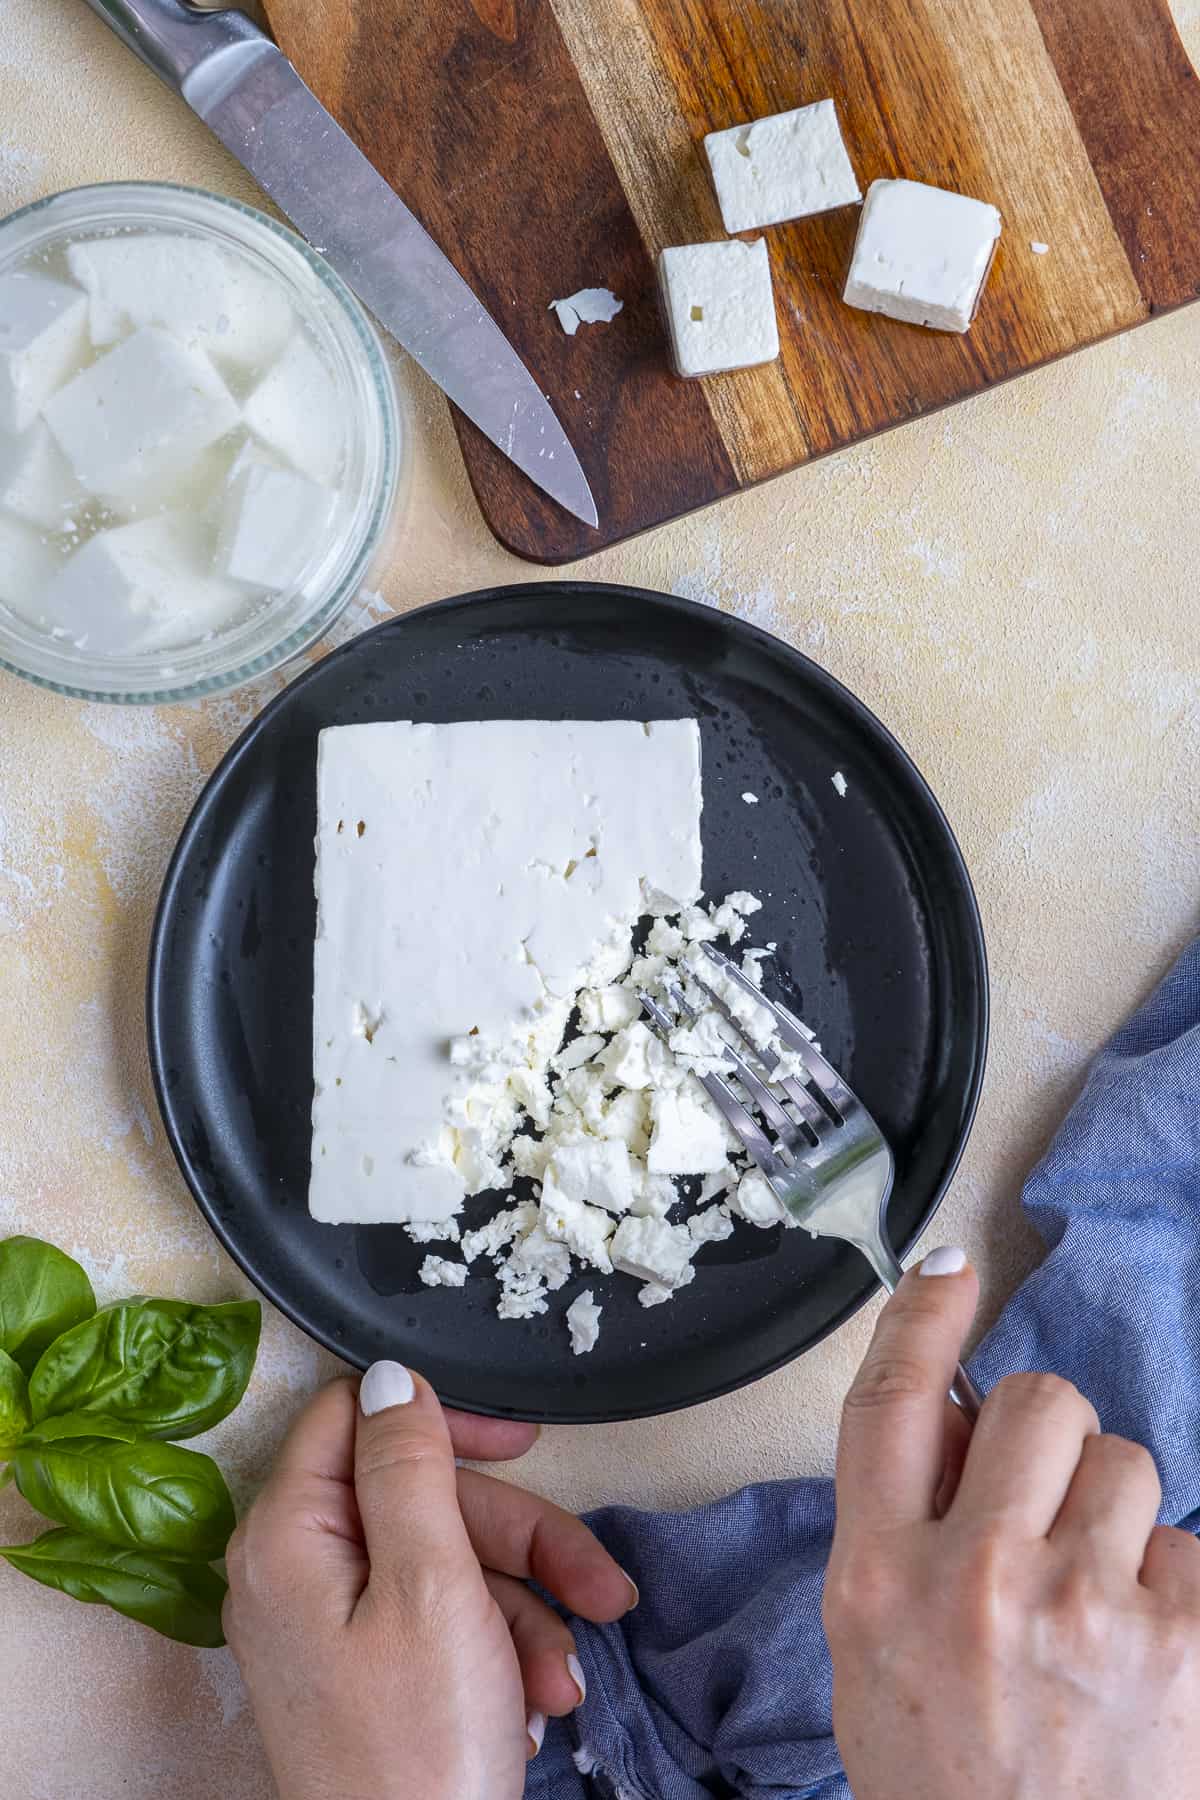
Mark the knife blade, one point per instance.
(247, 92)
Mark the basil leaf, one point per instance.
(144, 1496)
(169, 1368)
(14, 1403)
(180, 1600)
(42, 1294)
(81, 1425)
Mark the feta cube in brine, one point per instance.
(272, 521)
(133, 423)
(27, 566)
(719, 306)
(41, 339)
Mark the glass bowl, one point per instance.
(279, 626)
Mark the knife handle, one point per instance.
(172, 39)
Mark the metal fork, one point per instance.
(828, 1163)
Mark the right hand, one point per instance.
(1004, 1616)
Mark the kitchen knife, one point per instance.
(247, 92)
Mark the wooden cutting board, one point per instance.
(551, 145)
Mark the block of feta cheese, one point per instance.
(27, 567)
(208, 297)
(922, 254)
(471, 878)
(144, 586)
(272, 522)
(42, 338)
(583, 1322)
(133, 423)
(719, 306)
(294, 410)
(36, 480)
(785, 166)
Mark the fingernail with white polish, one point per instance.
(535, 1725)
(575, 1671)
(385, 1384)
(637, 1592)
(949, 1260)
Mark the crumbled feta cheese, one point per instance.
(757, 1203)
(686, 1139)
(654, 1251)
(635, 1058)
(711, 1226)
(839, 782)
(435, 1271)
(607, 1009)
(499, 1231)
(750, 799)
(585, 1230)
(579, 1051)
(583, 1322)
(433, 1231)
(590, 306)
(596, 1173)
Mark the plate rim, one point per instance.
(561, 591)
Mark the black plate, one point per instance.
(867, 898)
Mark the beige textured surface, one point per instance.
(1011, 586)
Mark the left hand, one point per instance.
(378, 1605)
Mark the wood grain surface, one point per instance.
(556, 144)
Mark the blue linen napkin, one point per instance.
(718, 1684)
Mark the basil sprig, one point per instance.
(88, 1400)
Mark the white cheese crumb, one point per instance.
(654, 1251)
(583, 1322)
(435, 1271)
(711, 1226)
(1038, 248)
(433, 1231)
(590, 306)
(750, 799)
(839, 782)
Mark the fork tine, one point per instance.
(740, 1120)
(819, 1070)
(759, 1092)
(816, 1120)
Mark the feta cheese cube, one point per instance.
(585, 1230)
(922, 254)
(207, 296)
(141, 586)
(36, 480)
(133, 423)
(686, 1138)
(27, 567)
(583, 1322)
(294, 411)
(719, 306)
(654, 1251)
(786, 166)
(41, 341)
(435, 1271)
(598, 1173)
(272, 523)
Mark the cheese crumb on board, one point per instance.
(839, 782)
(1038, 248)
(786, 166)
(719, 306)
(922, 254)
(590, 306)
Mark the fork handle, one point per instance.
(963, 1391)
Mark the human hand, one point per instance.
(1005, 1618)
(378, 1607)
